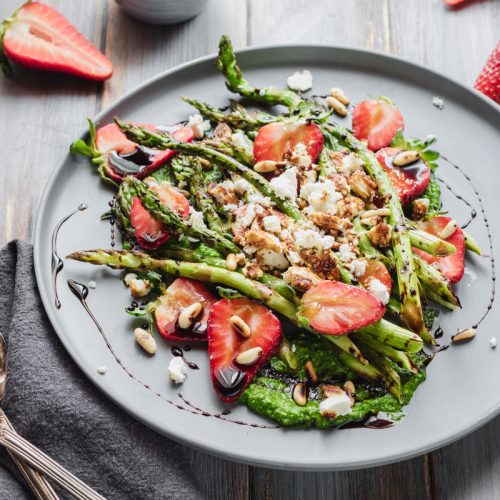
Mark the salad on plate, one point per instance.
(311, 258)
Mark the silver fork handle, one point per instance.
(44, 464)
(40, 487)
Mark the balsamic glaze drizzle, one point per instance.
(178, 352)
(57, 262)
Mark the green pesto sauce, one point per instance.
(270, 392)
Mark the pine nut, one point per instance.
(240, 326)
(330, 391)
(338, 93)
(231, 262)
(370, 221)
(337, 106)
(145, 340)
(250, 356)
(265, 166)
(311, 372)
(350, 390)
(463, 335)
(380, 212)
(299, 394)
(448, 230)
(189, 314)
(405, 158)
(205, 163)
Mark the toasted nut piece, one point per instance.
(362, 186)
(223, 132)
(311, 372)
(300, 394)
(380, 235)
(301, 278)
(205, 163)
(463, 335)
(240, 259)
(240, 326)
(250, 356)
(448, 230)
(263, 240)
(337, 106)
(253, 271)
(189, 314)
(405, 158)
(371, 221)
(265, 166)
(145, 340)
(420, 207)
(338, 93)
(350, 390)
(231, 262)
(380, 212)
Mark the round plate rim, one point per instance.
(236, 456)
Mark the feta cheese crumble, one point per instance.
(309, 238)
(335, 405)
(300, 156)
(241, 186)
(138, 287)
(300, 81)
(351, 163)
(272, 224)
(346, 253)
(248, 216)
(377, 288)
(321, 196)
(493, 342)
(438, 102)
(177, 370)
(102, 370)
(198, 126)
(272, 259)
(196, 220)
(285, 185)
(358, 267)
(241, 141)
(92, 284)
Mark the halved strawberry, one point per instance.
(150, 233)
(452, 266)
(225, 344)
(411, 181)
(375, 269)
(38, 36)
(274, 140)
(334, 308)
(172, 198)
(180, 294)
(377, 121)
(124, 157)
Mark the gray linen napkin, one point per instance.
(53, 405)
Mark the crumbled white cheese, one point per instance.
(273, 259)
(230, 207)
(92, 284)
(336, 405)
(438, 102)
(377, 288)
(248, 215)
(346, 253)
(308, 238)
(321, 196)
(177, 370)
(198, 126)
(285, 185)
(294, 257)
(358, 267)
(196, 220)
(351, 163)
(327, 241)
(137, 287)
(102, 370)
(300, 81)
(259, 198)
(493, 342)
(241, 186)
(272, 223)
(309, 176)
(241, 141)
(300, 156)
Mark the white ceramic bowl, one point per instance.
(162, 11)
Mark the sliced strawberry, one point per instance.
(452, 266)
(275, 140)
(375, 269)
(42, 38)
(488, 82)
(180, 294)
(172, 198)
(150, 233)
(225, 344)
(334, 308)
(377, 121)
(411, 181)
(124, 157)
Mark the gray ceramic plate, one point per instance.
(463, 387)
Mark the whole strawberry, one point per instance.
(488, 82)
(38, 36)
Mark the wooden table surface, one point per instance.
(40, 114)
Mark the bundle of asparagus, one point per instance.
(294, 212)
